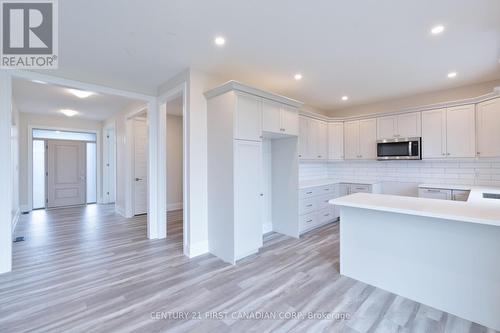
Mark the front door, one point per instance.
(66, 173)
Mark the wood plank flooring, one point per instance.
(89, 270)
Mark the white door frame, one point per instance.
(106, 174)
(154, 219)
(180, 90)
(31, 127)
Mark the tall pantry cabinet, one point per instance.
(236, 129)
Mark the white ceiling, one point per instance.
(50, 99)
(370, 50)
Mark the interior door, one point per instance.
(140, 166)
(66, 173)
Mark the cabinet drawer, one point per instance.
(353, 188)
(322, 201)
(326, 215)
(308, 221)
(308, 192)
(434, 193)
(307, 206)
(325, 189)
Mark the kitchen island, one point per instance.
(445, 254)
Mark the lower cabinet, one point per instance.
(314, 209)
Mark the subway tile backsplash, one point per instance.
(467, 171)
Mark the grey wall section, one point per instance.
(418, 100)
(174, 162)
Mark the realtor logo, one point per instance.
(29, 34)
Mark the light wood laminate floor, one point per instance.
(90, 270)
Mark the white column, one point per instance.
(153, 115)
(162, 171)
(5, 172)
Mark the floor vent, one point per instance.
(19, 239)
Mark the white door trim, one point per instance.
(5, 172)
(180, 90)
(31, 127)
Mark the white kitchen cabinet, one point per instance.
(351, 137)
(399, 126)
(488, 128)
(368, 139)
(248, 117)
(271, 117)
(336, 141)
(279, 118)
(314, 208)
(449, 132)
(460, 131)
(235, 172)
(434, 193)
(247, 197)
(313, 139)
(360, 139)
(434, 133)
(290, 120)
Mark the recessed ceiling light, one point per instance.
(81, 93)
(451, 75)
(437, 29)
(38, 81)
(297, 76)
(69, 113)
(345, 98)
(220, 41)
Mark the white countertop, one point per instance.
(329, 181)
(475, 210)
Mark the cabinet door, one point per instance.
(434, 193)
(368, 139)
(271, 117)
(409, 125)
(247, 197)
(335, 141)
(386, 127)
(488, 128)
(248, 118)
(321, 139)
(290, 120)
(351, 137)
(460, 131)
(434, 133)
(303, 137)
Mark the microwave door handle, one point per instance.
(409, 148)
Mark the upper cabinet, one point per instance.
(248, 117)
(279, 118)
(313, 139)
(399, 126)
(488, 128)
(360, 139)
(336, 141)
(449, 132)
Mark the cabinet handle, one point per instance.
(262, 194)
(327, 214)
(309, 193)
(310, 205)
(443, 154)
(478, 153)
(433, 191)
(309, 221)
(319, 156)
(447, 154)
(300, 155)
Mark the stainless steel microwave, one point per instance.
(399, 149)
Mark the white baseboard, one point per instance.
(15, 219)
(198, 249)
(24, 208)
(267, 227)
(174, 206)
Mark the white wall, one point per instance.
(63, 122)
(418, 100)
(174, 162)
(14, 143)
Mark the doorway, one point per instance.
(64, 168)
(140, 164)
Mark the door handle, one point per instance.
(138, 179)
